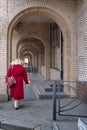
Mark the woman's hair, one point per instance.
(17, 62)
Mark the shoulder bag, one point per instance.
(11, 80)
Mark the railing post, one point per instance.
(58, 98)
(54, 100)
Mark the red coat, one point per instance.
(19, 73)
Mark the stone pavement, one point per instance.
(36, 114)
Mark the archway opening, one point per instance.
(48, 72)
(34, 50)
(24, 42)
(26, 60)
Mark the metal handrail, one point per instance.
(61, 108)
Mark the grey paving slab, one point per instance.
(36, 114)
(32, 114)
(70, 125)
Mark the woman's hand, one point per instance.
(29, 82)
(6, 83)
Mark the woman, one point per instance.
(17, 90)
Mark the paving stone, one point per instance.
(37, 115)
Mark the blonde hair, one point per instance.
(17, 62)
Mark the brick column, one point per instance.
(3, 63)
(3, 49)
(82, 41)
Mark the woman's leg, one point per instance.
(16, 104)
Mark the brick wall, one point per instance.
(82, 40)
(64, 13)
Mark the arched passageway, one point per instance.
(21, 20)
(33, 49)
(48, 33)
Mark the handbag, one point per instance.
(10, 80)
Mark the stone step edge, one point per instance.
(5, 126)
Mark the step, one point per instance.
(65, 125)
(43, 126)
(41, 93)
(82, 124)
(13, 127)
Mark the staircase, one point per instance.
(44, 89)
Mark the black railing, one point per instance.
(74, 100)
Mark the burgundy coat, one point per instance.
(19, 73)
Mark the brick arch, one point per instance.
(65, 27)
(34, 47)
(59, 19)
(23, 48)
(58, 6)
(33, 51)
(43, 41)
